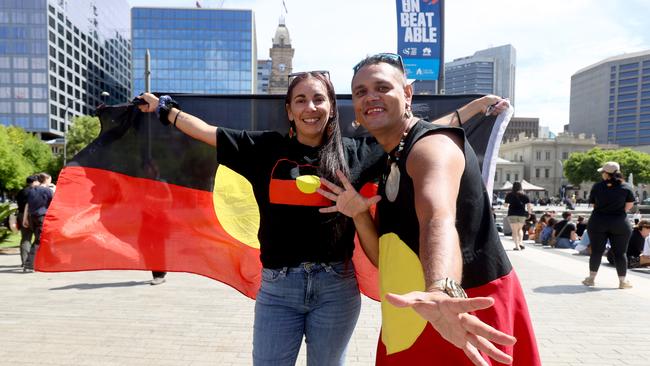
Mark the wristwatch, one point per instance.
(450, 287)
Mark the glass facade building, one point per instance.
(611, 99)
(61, 58)
(207, 51)
(489, 71)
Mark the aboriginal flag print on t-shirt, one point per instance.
(284, 188)
(143, 196)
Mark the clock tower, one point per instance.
(281, 60)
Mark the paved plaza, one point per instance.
(117, 318)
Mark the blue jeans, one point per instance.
(564, 243)
(319, 301)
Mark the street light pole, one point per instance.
(65, 135)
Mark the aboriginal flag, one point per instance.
(143, 196)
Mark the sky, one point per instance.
(553, 38)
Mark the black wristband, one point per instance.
(165, 105)
(176, 118)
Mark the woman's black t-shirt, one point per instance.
(610, 201)
(517, 204)
(292, 230)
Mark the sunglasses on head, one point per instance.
(389, 58)
(292, 76)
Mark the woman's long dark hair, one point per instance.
(330, 154)
(614, 179)
(516, 187)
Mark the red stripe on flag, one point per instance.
(102, 220)
(509, 314)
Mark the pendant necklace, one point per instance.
(391, 182)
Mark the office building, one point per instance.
(59, 59)
(489, 71)
(611, 99)
(263, 76)
(195, 50)
(518, 125)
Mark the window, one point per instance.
(565, 155)
(5, 107)
(21, 107)
(21, 93)
(547, 173)
(548, 155)
(40, 108)
(21, 78)
(536, 172)
(516, 176)
(508, 176)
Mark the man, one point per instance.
(435, 229)
(26, 232)
(38, 200)
(564, 232)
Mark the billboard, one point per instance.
(420, 37)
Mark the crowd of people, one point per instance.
(608, 232)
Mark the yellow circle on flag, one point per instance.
(235, 206)
(308, 184)
(400, 272)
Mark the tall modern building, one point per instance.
(61, 58)
(263, 76)
(489, 71)
(611, 100)
(194, 50)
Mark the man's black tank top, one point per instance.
(484, 258)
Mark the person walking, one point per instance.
(611, 199)
(519, 207)
(26, 232)
(38, 200)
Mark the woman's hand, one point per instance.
(494, 104)
(152, 103)
(348, 201)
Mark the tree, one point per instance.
(82, 131)
(14, 167)
(583, 166)
(22, 154)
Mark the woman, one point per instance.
(300, 248)
(529, 227)
(519, 208)
(539, 228)
(611, 199)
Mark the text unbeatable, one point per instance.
(420, 35)
(416, 19)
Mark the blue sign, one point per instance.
(419, 37)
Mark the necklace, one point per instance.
(391, 182)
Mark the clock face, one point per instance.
(282, 67)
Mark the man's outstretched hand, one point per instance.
(450, 317)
